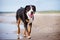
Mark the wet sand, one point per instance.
(45, 27)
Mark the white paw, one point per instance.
(18, 34)
(29, 37)
(24, 35)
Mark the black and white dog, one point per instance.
(27, 16)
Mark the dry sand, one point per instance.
(46, 27)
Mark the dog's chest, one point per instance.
(31, 19)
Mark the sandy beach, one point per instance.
(45, 27)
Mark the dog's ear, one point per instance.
(27, 8)
(34, 8)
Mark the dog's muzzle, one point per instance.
(31, 15)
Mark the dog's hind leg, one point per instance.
(18, 23)
(26, 30)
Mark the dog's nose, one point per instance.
(31, 13)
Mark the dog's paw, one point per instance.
(24, 35)
(29, 37)
(18, 34)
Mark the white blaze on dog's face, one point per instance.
(30, 14)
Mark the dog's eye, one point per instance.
(34, 9)
(28, 8)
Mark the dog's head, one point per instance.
(30, 11)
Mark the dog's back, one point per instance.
(19, 13)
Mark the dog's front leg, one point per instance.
(29, 30)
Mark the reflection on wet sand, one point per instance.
(8, 26)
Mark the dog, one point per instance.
(26, 15)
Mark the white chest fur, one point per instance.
(30, 20)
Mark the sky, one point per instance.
(41, 5)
